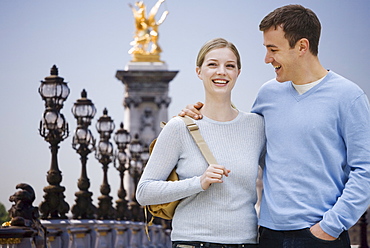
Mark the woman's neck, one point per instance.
(219, 110)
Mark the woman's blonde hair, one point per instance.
(217, 43)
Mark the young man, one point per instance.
(317, 170)
(317, 174)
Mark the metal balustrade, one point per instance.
(88, 234)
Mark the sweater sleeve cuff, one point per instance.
(200, 185)
(329, 230)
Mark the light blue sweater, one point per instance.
(224, 213)
(318, 155)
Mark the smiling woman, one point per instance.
(218, 66)
(236, 139)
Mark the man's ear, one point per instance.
(303, 46)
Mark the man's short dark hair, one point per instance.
(297, 22)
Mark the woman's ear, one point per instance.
(197, 70)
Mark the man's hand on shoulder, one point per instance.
(192, 110)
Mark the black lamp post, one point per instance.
(122, 138)
(84, 143)
(104, 154)
(135, 171)
(54, 129)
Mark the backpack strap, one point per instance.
(195, 133)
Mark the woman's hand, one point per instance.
(192, 111)
(213, 174)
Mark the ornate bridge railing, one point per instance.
(86, 234)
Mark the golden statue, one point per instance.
(145, 44)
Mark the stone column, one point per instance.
(146, 97)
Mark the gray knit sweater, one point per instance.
(224, 213)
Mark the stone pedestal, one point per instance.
(146, 98)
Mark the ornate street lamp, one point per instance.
(54, 129)
(104, 154)
(122, 138)
(84, 143)
(135, 170)
(144, 156)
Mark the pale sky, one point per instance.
(88, 41)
